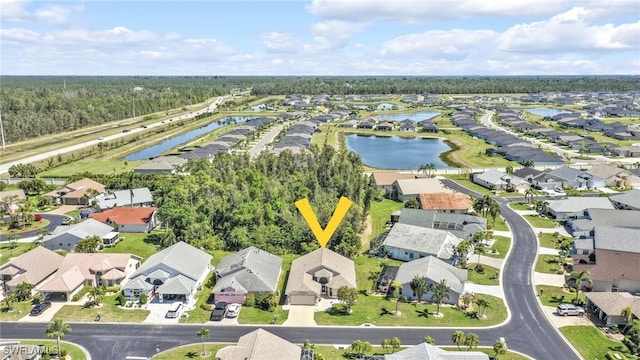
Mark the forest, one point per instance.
(32, 106)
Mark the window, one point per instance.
(411, 256)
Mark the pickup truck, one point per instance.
(219, 312)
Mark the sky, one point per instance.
(320, 37)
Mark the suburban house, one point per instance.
(461, 225)
(319, 273)
(609, 305)
(66, 237)
(578, 179)
(249, 271)
(408, 242)
(615, 176)
(261, 345)
(617, 255)
(405, 189)
(383, 180)
(92, 269)
(34, 267)
(445, 202)
(424, 351)
(80, 192)
(497, 180)
(120, 198)
(583, 228)
(434, 270)
(161, 165)
(629, 200)
(10, 200)
(174, 273)
(574, 207)
(129, 219)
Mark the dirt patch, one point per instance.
(365, 237)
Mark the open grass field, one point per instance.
(381, 214)
(553, 295)
(143, 245)
(591, 343)
(72, 350)
(109, 310)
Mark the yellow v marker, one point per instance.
(323, 235)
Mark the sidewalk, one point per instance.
(486, 260)
(548, 279)
(493, 290)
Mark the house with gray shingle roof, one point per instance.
(174, 273)
(249, 271)
(576, 206)
(497, 180)
(66, 237)
(583, 228)
(461, 225)
(434, 270)
(575, 178)
(407, 242)
(161, 165)
(119, 198)
(425, 351)
(629, 200)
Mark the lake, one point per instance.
(547, 111)
(417, 116)
(394, 152)
(156, 150)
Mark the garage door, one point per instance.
(229, 298)
(302, 300)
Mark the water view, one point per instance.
(417, 116)
(394, 152)
(547, 111)
(156, 150)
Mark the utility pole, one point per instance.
(2, 131)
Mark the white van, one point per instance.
(174, 310)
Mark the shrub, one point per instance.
(63, 353)
(80, 293)
(206, 307)
(112, 289)
(143, 299)
(633, 348)
(479, 269)
(250, 300)
(37, 299)
(614, 355)
(121, 299)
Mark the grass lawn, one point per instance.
(109, 310)
(94, 165)
(143, 245)
(367, 265)
(591, 343)
(501, 246)
(72, 350)
(378, 310)
(191, 351)
(251, 315)
(381, 213)
(332, 353)
(538, 222)
(500, 224)
(520, 205)
(8, 251)
(199, 315)
(547, 240)
(510, 355)
(36, 225)
(484, 278)
(20, 310)
(553, 295)
(464, 181)
(548, 264)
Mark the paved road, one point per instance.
(54, 221)
(527, 329)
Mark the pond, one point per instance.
(394, 152)
(547, 111)
(158, 149)
(416, 116)
(384, 107)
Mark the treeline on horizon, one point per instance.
(33, 106)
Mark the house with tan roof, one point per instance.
(129, 219)
(609, 305)
(10, 200)
(80, 192)
(384, 179)
(445, 202)
(260, 345)
(92, 269)
(33, 267)
(319, 273)
(615, 176)
(405, 189)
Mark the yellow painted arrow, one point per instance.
(323, 235)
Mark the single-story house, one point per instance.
(249, 271)
(66, 237)
(34, 267)
(434, 270)
(174, 273)
(629, 200)
(575, 207)
(608, 305)
(461, 225)
(614, 176)
(497, 180)
(319, 273)
(445, 202)
(121, 198)
(424, 351)
(407, 242)
(383, 180)
(80, 192)
(92, 269)
(11, 199)
(261, 345)
(583, 228)
(161, 165)
(129, 219)
(405, 189)
(579, 179)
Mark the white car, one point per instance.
(570, 309)
(233, 310)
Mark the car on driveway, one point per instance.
(219, 312)
(40, 308)
(174, 310)
(570, 309)
(233, 310)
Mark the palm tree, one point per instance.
(467, 299)
(96, 294)
(23, 290)
(564, 247)
(458, 338)
(57, 329)
(482, 304)
(580, 278)
(528, 163)
(509, 170)
(494, 210)
(419, 285)
(439, 292)
(529, 194)
(11, 300)
(429, 340)
(397, 287)
(472, 341)
(386, 343)
(627, 313)
(500, 347)
(203, 334)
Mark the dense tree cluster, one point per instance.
(231, 202)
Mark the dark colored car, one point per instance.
(40, 308)
(219, 312)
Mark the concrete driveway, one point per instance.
(301, 315)
(158, 312)
(47, 315)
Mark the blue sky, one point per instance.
(320, 37)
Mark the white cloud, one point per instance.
(15, 11)
(439, 44)
(333, 34)
(275, 42)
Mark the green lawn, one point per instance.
(72, 350)
(501, 247)
(379, 311)
(199, 315)
(366, 265)
(510, 355)
(332, 353)
(484, 278)
(93, 165)
(109, 310)
(35, 225)
(538, 222)
(553, 295)
(591, 343)
(251, 315)
(548, 240)
(464, 181)
(143, 245)
(8, 250)
(520, 205)
(499, 225)
(381, 213)
(191, 351)
(20, 310)
(548, 264)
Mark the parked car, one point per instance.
(233, 310)
(570, 309)
(219, 312)
(174, 310)
(40, 308)
(37, 217)
(66, 221)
